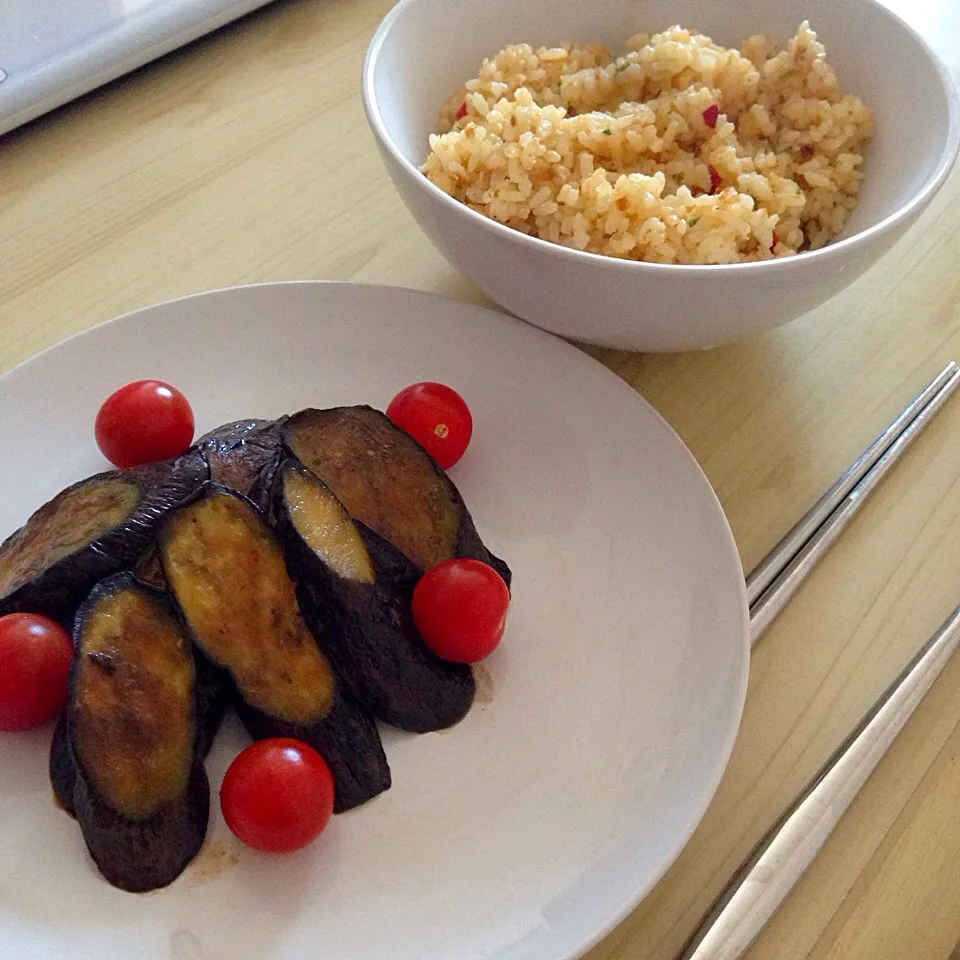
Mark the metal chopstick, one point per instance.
(770, 567)
(780, 859)
(783, 583)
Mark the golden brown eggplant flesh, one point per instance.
(225, 567)
(388, 483)
(360, 587)
(92, 529)
(244, 455)
(140, 792)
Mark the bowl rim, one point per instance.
(824, 256)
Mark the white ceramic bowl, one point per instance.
(425, 49)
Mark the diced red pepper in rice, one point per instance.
(710, 115)
(715, 178)
(776, 240)
(462, 112)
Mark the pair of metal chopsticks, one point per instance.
(778, 861)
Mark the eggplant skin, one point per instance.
(388, 483)
(228, 575)
(244, 455)
(142, 855)
(131, 746)
(366, 626)
(49, 565)
(214, 696)
(63, 769)
(148, 568)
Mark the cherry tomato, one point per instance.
(34, 662)
(437, 417)
(144, 421)
(460, 609)
(277, 795)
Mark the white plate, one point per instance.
(529, 829)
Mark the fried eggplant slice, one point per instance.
(244, 455)
(361, 587)
(389, 483)
(140, 791)
(212, 699)
(92, 529)
(225, 567)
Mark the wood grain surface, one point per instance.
(246, 157)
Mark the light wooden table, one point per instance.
(241, 159)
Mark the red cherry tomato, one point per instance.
(437, 417)
(144, 421)
(34, 662)
(277, 795)
(460, 609)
